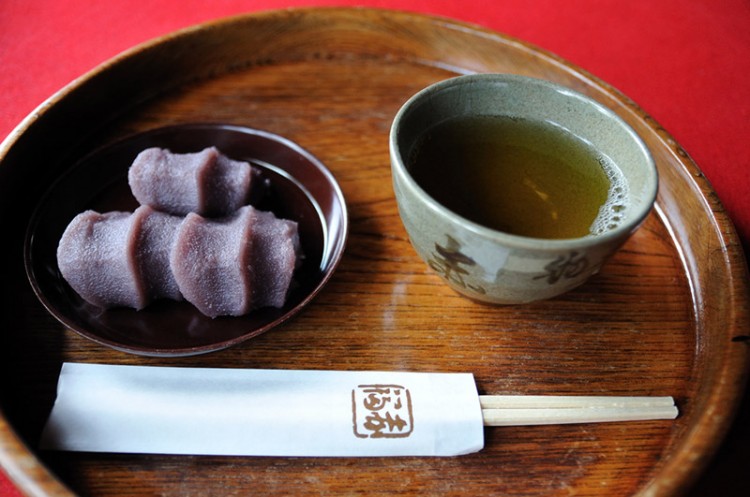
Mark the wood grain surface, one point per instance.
(667, 316)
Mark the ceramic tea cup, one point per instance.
(489, 263)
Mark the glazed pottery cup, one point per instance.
(489, 265)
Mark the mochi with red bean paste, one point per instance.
(206, 182)
(275, 256)
(95, 256)
(223, 266)
(211, 262)
(230, 266)
(119, 259)
(155, 232)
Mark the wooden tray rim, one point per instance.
(20, 463)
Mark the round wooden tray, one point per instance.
(664, 317)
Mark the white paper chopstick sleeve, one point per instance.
(172, 410)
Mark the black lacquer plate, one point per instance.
(300, 189)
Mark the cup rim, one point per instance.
(520, 241)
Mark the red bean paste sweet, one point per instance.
(228, 265)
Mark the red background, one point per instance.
(685, 62)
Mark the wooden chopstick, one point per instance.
(519, 410)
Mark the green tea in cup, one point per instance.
(516, 189)
(519, 176)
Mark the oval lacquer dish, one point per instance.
(300, 189)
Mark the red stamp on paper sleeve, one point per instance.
(382, 411)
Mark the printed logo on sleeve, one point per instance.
(382, 411)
